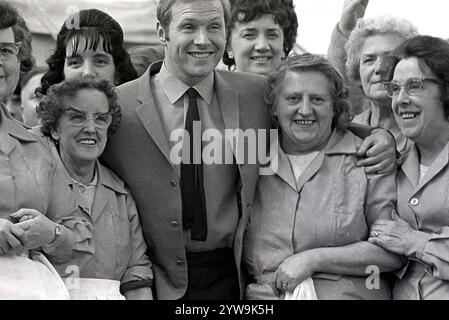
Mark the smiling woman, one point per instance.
(260, 34)
(15, 50)
(89, 44)
(78, 115)
(419, 89)
(318, 187)
(89, 63)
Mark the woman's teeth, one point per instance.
(87, 141)
(304, 122)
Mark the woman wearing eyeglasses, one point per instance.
(89, 45)
(420, 231)
(26, 173)
(78, 115)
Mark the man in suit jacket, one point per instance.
(188, 266)
(153, 107)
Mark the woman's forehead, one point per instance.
(412, 67)
(265, 19)
(6, 35)
(87, 99)
(78, 44)
(299, 80)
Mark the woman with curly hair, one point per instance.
(310, 219)
(89, 44)
(260, 34)
(368, 50)
(110, 261)
(360, 48)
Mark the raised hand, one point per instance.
(352, 11)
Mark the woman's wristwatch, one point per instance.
(55, 242)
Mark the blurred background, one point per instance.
(317, 18)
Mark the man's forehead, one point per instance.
(197, 10)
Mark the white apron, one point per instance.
(93, 289)
(30, 277)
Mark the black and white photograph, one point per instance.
(224, 155)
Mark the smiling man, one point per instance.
(193, 215)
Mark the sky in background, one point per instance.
(317, 18)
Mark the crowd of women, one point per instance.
(316, 224)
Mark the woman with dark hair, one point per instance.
(260, 34)
(310, 219)
(89, 44)
(420, 100)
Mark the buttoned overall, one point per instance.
(333, 203)
(425, 206)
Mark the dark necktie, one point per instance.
(194, 213)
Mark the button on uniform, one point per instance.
(179, 262)
(174, 223)
(414, 202)
(174, 183)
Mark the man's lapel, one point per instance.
(228, 100)
(148, 114)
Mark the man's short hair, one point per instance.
(164, 11)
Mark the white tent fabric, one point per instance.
(137, 17)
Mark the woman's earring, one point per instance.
(230, 55)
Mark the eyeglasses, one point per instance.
(9, 50)
(412, 86)
(79, 118)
